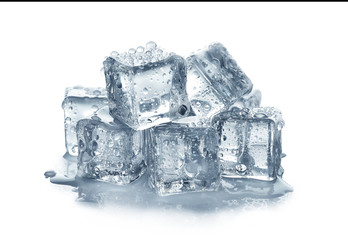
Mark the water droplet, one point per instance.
(145, 91)
(95, 108)
(224, 137)
(196, 74)
(96, 171)
(140, 49)
(241, 168)
(204, 64)
(96, 118)
(260, 115)
(74, 149)
(67, 120)
(165, 142)
(50, 174)
(119, 84)
(96, 92)
(81, 144)
(191, 169)
(110, 143)
(131, 51)
(182, 109)
(94, 145)
(71, 108)
(119, 165)
(151, 45)
(114, 54)
(206, 108)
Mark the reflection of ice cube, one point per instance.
(110, 151)
(214, 81)
(183, 159)
(80, 102)
(250, 143)
(146, 93)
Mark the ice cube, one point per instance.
(146, 88)
(109, 150)
(183, 159)
(250, 143)
(214, 81)
(251, 100)
(79, 103)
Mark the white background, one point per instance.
(296, 53)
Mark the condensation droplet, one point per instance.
(151, 45)
(110, 143)
(50, 174)
(145, 91)
(196, 74)
(95, 108)
(140, 49)
(131, 51)
(67, 120)
(96, 92)
(74, 149)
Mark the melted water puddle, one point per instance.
(138, 194)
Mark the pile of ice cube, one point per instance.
(193, 125)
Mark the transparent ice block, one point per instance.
(214, 81)
(250, 143)
(109, 150)
(183, 159)
(79, 103)
(146, 88)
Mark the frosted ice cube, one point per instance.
(250, 143)
(214, 81)
(147, 88)
(109, 150)
(183, 159)
(79, 103)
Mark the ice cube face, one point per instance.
(110, 151)
(214, 81)
(79, 103)
(183, 159)
(250, 143)
(146, 95)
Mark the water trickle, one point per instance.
(49, 174)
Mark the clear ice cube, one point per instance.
(146, 88)
(250, 143)
(214, 81)
(79, 103)
(109, 150)
(183, 159)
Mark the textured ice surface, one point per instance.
(109, 150)
(80, 102)
(146, 88)
(214, 81)
(251, 100)
(250, 143)
(183, 159)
